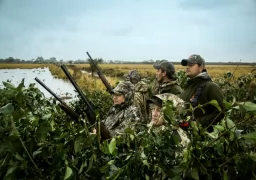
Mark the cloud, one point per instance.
(209, 4)
(128, 30)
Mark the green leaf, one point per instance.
(147, 177)
(249, 106)
(36, 152)
(251, 136)
(47, 116)
(112, 145)
(194, 173)
(68, 172)
(215, 103)
(227, 105)
(219, 127)
(10, 171)
(81, 168)
(18, 157)
(8, 85)
(41, 132)
(128, 157)
(111, 162)
(230, 123)
(145, 162)
(7, 109)
(90, 164)
(78, 144)
(132, 137)
(212, 135)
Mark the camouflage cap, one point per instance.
(158, 99)
(164, 65)
(193, 59)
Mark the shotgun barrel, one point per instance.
(62, 104)
(100, 74)
(91, 115)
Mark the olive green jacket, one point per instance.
(210, 92)
(168, 87)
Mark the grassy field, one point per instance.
(115, 72)
(147, 69)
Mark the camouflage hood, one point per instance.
(127, 89)
(141, 87)
(133, 75)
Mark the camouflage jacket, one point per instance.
(167, 87)
(140, 98)
(119, 118)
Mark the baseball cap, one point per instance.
(155, 100)
(193, 59)
(164, 65)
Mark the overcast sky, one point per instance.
(218, 30)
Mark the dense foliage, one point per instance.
(39, 141)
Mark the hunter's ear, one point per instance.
(164, 73)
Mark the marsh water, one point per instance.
(63, 89)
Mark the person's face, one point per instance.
(160, 74)
(134, 81)
(193, 70)
(118, 98)
(157, 118)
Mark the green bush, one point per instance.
(39, 141)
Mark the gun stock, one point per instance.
(89, 110)
(68, 110)
(100, 74)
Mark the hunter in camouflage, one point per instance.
(141, 92)
(166, 79)
(157, 123)
(123, 113)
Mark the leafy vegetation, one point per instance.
(39, 141)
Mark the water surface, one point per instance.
(58, 86)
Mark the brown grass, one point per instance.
(115, 72)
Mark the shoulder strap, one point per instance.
(197, 94)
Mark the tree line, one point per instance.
(54, 60)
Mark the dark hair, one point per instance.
(171, 75)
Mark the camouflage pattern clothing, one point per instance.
(141, 93)
(178, 107)
(167, 87)
(122, 116)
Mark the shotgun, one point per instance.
(89, 110)
(68, 110)
(101, 76)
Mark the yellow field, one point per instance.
(147, 69)
(115, 72)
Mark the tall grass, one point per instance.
(84, 81)
(116, 72)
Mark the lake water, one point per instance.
(58, 86)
